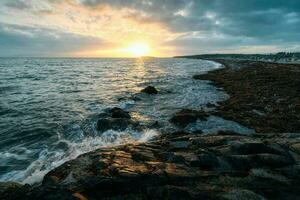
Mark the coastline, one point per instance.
(264, 96)
(182, 165)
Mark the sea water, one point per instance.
(49, 106)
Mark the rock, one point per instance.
(119, 113)
(225, 132)
(177, 165)
(208, 161)
(263, 96)
(242, 194)
(169, 192)
(9, 186)
(13, 190)
(245, 162)
(115, 119)
(186, 116)
(210, 105)
(119, 124)
(253, 148)
(149, 90)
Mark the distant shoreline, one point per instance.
(281, 57)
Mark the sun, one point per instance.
(138, 49)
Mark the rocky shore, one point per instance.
(181, 165)
(263, 95)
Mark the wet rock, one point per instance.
(244, 162)
(263, 95)
(242, 194)
(208, 161)
(222, 132)
(169, 192)
(118, 124)
(179, 144)
(115, 119)
(149, 90)
(178, 166)
(13, 190)
(253, 148)
(186, 116)
(210, 105)
(119, 113)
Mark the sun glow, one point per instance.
(138, 49)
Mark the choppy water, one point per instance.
(48, 106)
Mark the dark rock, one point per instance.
(149, 90)
(13, 190)
(115, 119)
(263, 95)
(222, 132)
(253, 148)
(119, 124)
(207, 161)
(242, 194)
(168, 192)
(210, 105)
(119, 113)
(177, 166)
(186, 116)
(245, 162)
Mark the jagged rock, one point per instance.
(186, 116)
(149, 90)
(178, 166)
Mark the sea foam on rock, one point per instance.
(178, 166)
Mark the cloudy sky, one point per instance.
(105, 28)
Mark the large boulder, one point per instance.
(186, 116)
(115, 119)
(149, 90)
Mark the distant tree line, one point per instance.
(277, 57)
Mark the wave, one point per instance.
(65, 150)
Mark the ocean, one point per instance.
(49, 106)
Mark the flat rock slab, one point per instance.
(177, 166)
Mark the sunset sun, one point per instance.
(138, 49)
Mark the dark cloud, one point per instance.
(206, 25)
(30, 41)
(18, 4)
(276, 20)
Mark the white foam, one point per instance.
(50, 159)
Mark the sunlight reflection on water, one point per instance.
(50, 106)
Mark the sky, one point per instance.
(120, 28)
